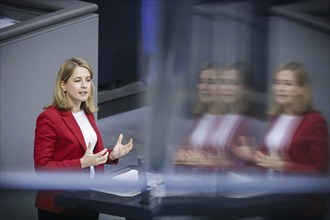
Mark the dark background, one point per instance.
(119, 40)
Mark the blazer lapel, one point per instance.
(72, 124)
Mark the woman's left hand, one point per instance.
(121, 149)
(270, 162)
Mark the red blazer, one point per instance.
(308, 150)
(58, 146)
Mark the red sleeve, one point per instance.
(45, 146)
(317, 147)
(113, 162)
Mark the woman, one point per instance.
(67, 138)
(207, 86)
(296, 141)
(210, 142)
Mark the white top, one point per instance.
(88, 133)
(225, 131)
(214, 130)
(201, 134)
(279, 137)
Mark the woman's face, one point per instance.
(78, 87)
(230, 86)
(286, 88)
(207, 85)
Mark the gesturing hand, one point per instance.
(90, 159)
(271, 162)
(245, 149)
(121, 149)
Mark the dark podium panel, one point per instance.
(289, 198)
(218, 206)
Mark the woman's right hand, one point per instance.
(90, 159)
(246, 148)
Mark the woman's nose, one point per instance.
(84, 84)
(281, 86)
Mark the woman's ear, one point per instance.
(63, 86)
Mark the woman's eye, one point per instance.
(212, 82)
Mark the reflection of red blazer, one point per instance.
(58, 146)
(308, 150)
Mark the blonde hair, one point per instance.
(65, 72)
(303, 102)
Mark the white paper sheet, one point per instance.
(6, 22)
(131, 176)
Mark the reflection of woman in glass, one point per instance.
(203, 110)
(216, 131)
(296, 141)
(207, 85)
